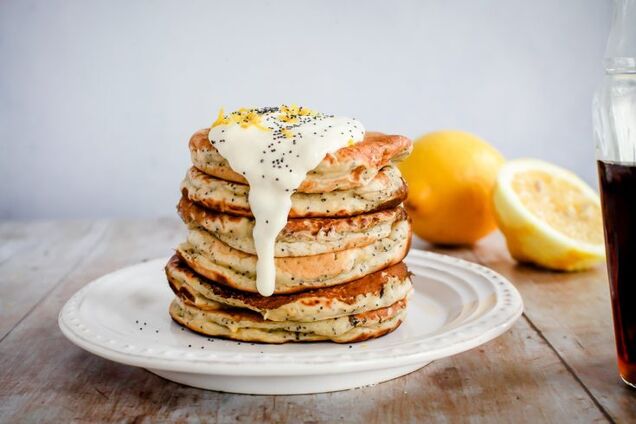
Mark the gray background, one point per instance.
(98, 99)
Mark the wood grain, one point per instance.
(572, 312)
(522, 376)
(34, 258)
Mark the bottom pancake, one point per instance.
(244, 325)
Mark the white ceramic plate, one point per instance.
(123, 316)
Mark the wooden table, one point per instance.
(557, 364)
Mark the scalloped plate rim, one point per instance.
(203, 364)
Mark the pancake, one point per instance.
(210, 257)
(347, 168)
(376, 290)
(387, 190)
(300, 237)
(238, 324)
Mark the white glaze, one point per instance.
(274, 149)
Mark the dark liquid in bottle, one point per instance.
(618, 195)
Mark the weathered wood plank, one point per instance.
(573, 312)
(37, 340)
(515, 378)
(485, 384)
(34, 257)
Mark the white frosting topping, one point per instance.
(274, 149)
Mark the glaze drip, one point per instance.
(274, 148)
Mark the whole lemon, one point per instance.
(451, 175)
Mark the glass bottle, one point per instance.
(615, 132)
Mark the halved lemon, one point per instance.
(549, 216)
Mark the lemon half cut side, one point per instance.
(548, 215)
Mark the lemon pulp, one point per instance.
(560, 204)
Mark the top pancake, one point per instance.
(347, 168)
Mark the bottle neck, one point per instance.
(621, 45)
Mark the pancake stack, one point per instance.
(339, 269)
